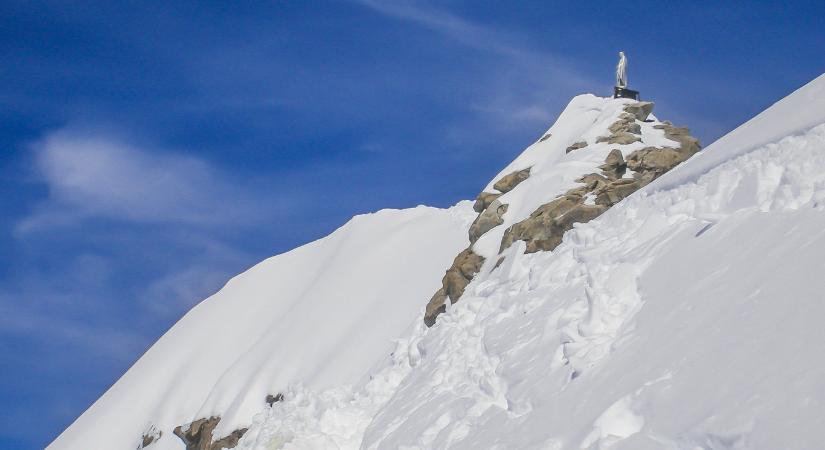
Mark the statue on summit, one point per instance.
(621, 90)
(621, 71)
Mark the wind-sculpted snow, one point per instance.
(320, 315)
(795, 114)
(687, 318)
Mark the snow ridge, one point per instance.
(530, 357)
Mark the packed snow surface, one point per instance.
(686, 317)
(320, 315)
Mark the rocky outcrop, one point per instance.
(465, 266)
(228, 442)
(545, 137)
(594, 194)
(149, 437)
(614, 165)
(484, 200)
(640, 110)
(491, 214)
(544, 229)
(576, 146)
(490, 218)
(509, 181)
(198, 435)
(272, 399)
(620, 138)
(626, 124)
(546, 226)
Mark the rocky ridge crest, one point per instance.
(593, 194)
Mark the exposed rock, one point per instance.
(465, 266)
(271, 399)
(614, 165)
(198, 435)
(545, 137)
(626, 124)
(483, 201)
(546, 226)
(614, 159)
(654, 160)
(687, 143)
(640, 110)
(544, 229)
(621, 138)
(150, 437)
(508, 182)
(436, 306)
(591, 182)
(615, 191)
(487, 220)
(230, 441)
(576, 146)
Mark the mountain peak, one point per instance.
(599, 151)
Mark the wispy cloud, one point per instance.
(95, 174)
(521, 86)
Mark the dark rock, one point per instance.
(150, 437)
(271, 399)
(198, 436)
(509, 181)
(640, 110)
(545, 137)
(487, 220)
(576, 146)
(483, 201)
(465, 266)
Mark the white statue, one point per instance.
(621, 71)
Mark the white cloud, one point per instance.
(100, 175)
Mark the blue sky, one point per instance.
(151, 150)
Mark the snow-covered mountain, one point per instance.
(320, 315)
(599, 300)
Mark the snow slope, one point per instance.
(319, 315)
(688, 316)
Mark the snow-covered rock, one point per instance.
(548, 189)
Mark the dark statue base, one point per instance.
(619, 92)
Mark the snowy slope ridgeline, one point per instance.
(320, 314)
(686, 317)
(599, 151)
